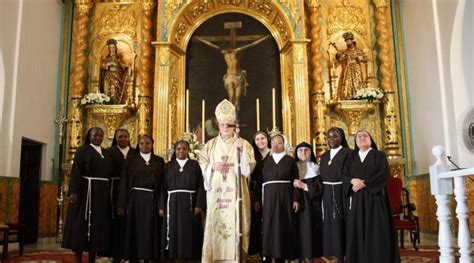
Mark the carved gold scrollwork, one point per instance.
(171, 8)
(383, 38)
(280, 25)
(144, 115)
(186, 17)
(132, 129)
(373, 126)
(318, 108)
(200, 9)
(354, 111)
(78, 75)
(148, 5)
(319, 105)
(261, 6)
(75, 126)
(392, 126)
(178, 36)
(173, 98)
(120, 19)
(83, 6)
(291, 98)
(313, 3)
(387, 60)
(381, 3)
(164, 56)
(79, 47)
(111, 116)
(343, 17)
(231, 2)
(292, 6)
(298, 54)
(146, 51)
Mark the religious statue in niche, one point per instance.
(235, 78)
(354, 73)
(114, 73)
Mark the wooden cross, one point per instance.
(232, 37)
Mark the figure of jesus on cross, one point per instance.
(235, 80)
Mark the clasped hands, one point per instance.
(221, 167)
(300, 184)
(357, 184)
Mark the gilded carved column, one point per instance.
(318, 107)
(78, 73)
(386, 56)
(300, 83)
(144, 97)
(162, 80)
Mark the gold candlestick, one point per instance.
(258, 114)
(334, 63)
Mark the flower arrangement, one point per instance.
(369, 94)
(95, 98)
(194, 146)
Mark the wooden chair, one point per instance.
(402, 211)
(4, 230)
(13, 233)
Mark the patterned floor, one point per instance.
(423, 255)
(48, 251)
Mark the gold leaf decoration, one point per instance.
(345, 17)
(119, 19)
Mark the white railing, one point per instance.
(441, 179)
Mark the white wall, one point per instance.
(437, 97)
(30, 44)
(462, 72)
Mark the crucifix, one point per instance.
(235, 79)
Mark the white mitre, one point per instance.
(225, 112)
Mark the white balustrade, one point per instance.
(441, 180)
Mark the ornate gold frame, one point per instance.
(171, 57)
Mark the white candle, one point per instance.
(203, 122)
(273, 109)
(258, 114)
(95, 71)
(330, 63)
(289, 134)
(169, 126)
(314, 144)
(188, 128)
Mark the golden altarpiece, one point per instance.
(134, 51)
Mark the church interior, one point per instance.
(400, 69)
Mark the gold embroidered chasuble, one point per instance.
(222, 220)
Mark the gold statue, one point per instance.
(235, 79)
(353, 76)
(113, 74)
